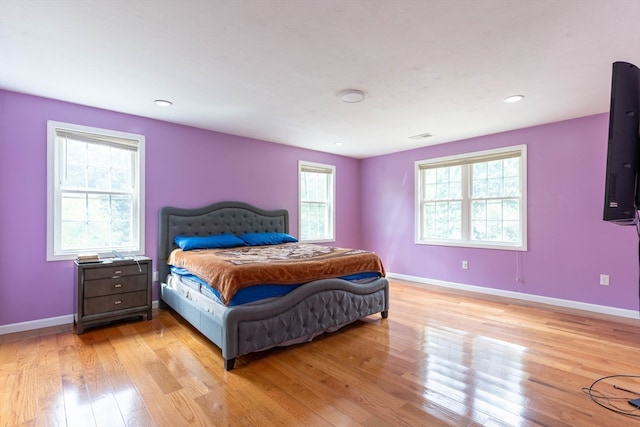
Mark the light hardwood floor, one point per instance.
(442, 357)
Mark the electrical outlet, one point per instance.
(465, 265)
(604, 279)
(154, 276)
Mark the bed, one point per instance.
(306, 311)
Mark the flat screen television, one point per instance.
(622, 189)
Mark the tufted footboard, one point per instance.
(318, 307)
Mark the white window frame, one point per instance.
(330, 170)
(467, 160)
(54, 167)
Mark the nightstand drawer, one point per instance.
(111, 303)
(117, 285)
(106, 271)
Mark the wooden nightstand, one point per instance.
(112, 290)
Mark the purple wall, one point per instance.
(185, 167)
(569, 245)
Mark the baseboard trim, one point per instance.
(43, 323)
(36, 324)
(602, 309)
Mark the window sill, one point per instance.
(478, 245)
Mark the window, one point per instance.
(316, 189)
(95, 192)
(477, 199)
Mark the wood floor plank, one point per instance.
(7, 381)
(130, 404)
(134, 357)
(23, 398)
(276, 389)
(77, 401)
(188, 409)
(318, 401)
(442, 358)
(49, 400)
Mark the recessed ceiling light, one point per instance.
(163, 103)
(514, 98)
(352, 96)
(339, 143)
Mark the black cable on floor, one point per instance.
(608, 402)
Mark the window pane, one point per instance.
(479, 210)
(494, 187)
(121, 233)
(120, 179)
(511, 210)
(97, 234)
(479, 188)
(480, 171)
(443, 183)
(98, 207)
(76, 176)
(494, 210)
(74, 207)
(494, 230)
(511, 232)
(121, 208)
(95, 167)
(98, 178)
(498, 178)
(511, 167)
(511, 186)
(96, 221)
(496, 220)
(442, 220)
(314, 220)
(430, 192)
(314, 186)
(479, 230)
(76, 152)
(73, 236)
(97, 155)
(442, 212)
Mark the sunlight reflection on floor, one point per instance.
(486, 378)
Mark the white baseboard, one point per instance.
(43, 323)
(36, 324)
(522, 296)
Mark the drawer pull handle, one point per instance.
(117, 302)
(118, 272)
(117, 285)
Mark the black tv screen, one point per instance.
(622, 192)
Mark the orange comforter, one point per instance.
(229, 270)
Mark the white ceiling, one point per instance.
(272, 69)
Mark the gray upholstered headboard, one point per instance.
(219, 218)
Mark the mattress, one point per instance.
(243, 296)
(274, 270)
(207, 297)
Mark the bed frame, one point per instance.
(310, 310)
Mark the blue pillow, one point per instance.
(257, 239)
(188, 243)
